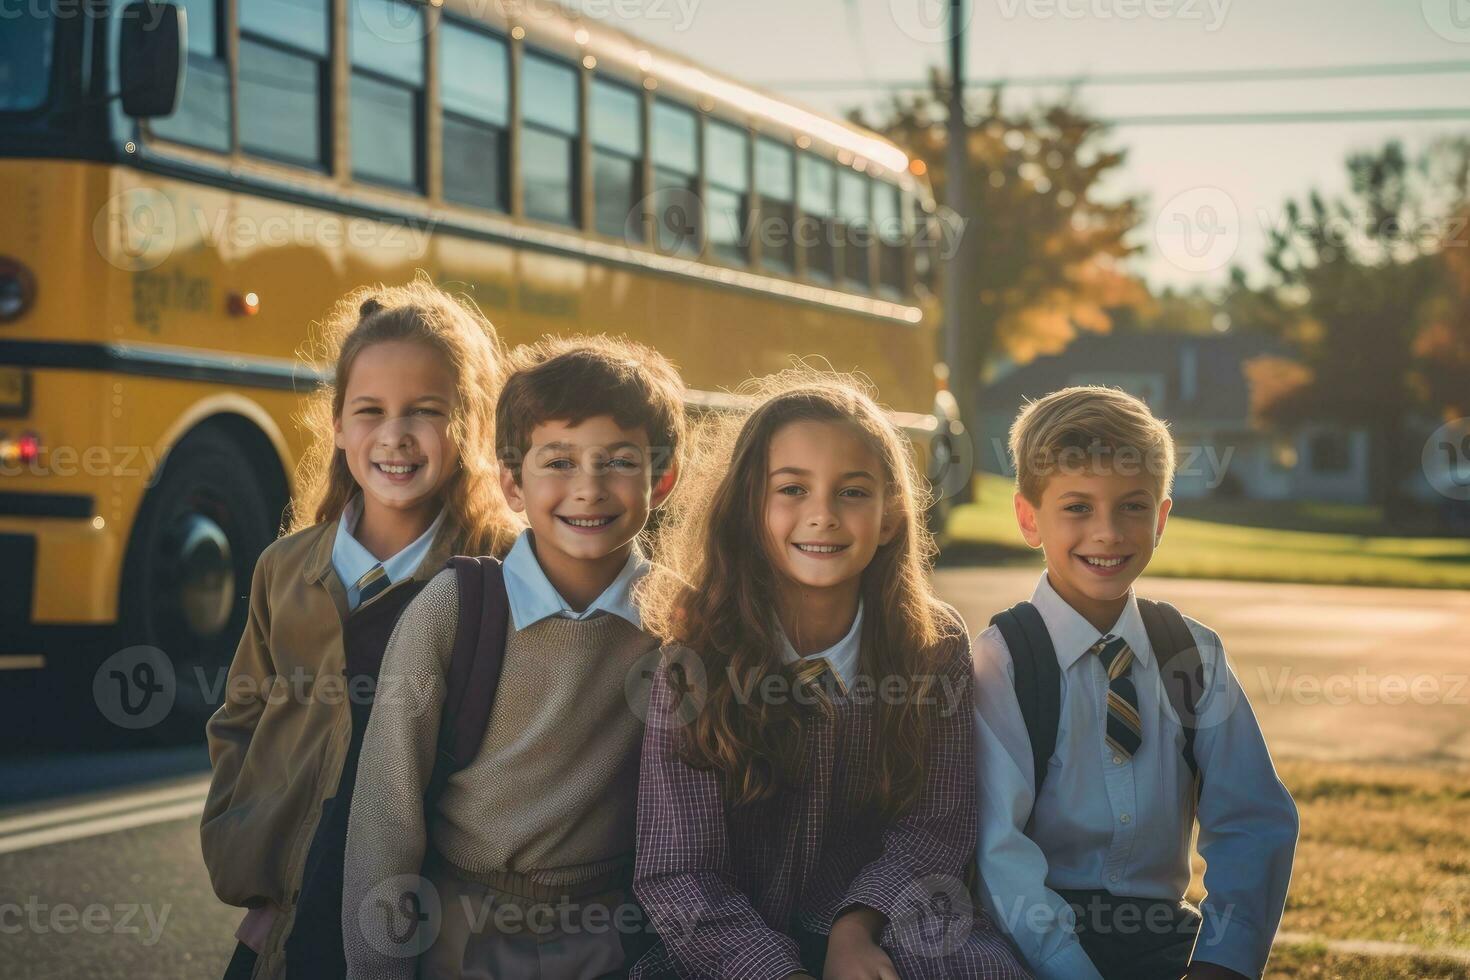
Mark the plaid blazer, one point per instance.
(728, 890)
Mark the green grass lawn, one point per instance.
(1316, 963)
(1384, 855)
(1196, 548)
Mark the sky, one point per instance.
(1210, 192)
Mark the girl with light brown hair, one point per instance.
(401, 475)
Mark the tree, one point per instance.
(1044, 252)
(1364, 273)
(1442, 346)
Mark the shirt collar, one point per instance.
(842, 655)
(533, 597)
(351, 560)
(1072, 635)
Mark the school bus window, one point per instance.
(617, 159)
(283, 57)
(775, 185)
(203, 116)
(549, 139)
(676, 179)
(852, 210)
(817, 231)
(25, 53)
(387, 50)
(888, 227)
(727, 195)
(474, 91)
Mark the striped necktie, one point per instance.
(816, 676)
(1124, 728)
(373, 581)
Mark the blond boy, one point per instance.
(1084, 854)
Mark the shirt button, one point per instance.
(1125, 818)
(1117, 760)
(1113, 877)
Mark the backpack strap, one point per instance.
(1180, 670)
(474, 668)
(1038, 680)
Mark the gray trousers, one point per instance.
(493, 934)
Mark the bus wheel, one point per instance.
(187, 578)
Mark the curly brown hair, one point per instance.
(720, 596)
(417, 312)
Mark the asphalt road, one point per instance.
(100, 873)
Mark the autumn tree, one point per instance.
(1365, 273)
(1044, 250)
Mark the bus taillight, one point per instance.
(20, 451)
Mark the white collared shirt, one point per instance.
(533, 597)
(842, 655)
(1107, 822)
(352, 561)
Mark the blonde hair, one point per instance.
(415, 312)
(718, 595)
(1089, 428)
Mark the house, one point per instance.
(1198, 385)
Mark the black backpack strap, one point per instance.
(1180, 670)
(1038, 680)
(474, 668)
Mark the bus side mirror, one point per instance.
(151, 58)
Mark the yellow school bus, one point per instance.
(166, 246)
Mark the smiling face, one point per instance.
(1098, 531)
(394, 427)
(825, 508)
(586, 491)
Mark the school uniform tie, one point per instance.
(815, 676)
(373, 581)
(1124, 728)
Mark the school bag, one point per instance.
(1038, 678)
(314, 948)
(474, 669)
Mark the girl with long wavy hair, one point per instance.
(401, 475)
(806, 803)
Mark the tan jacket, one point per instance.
(279, 741)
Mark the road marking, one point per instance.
(105, 816)
(1373, 947)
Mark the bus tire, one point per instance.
(186, 578)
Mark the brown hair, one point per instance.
(1088, 428)
(417, 312)
(720, 599)
(576, 378)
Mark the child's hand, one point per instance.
(853, 953)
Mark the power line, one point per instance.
(1207, 77)
(1291, 118)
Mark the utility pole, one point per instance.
(956, 163)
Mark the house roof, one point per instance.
(1217, 392)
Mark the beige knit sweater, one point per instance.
(551, 795)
